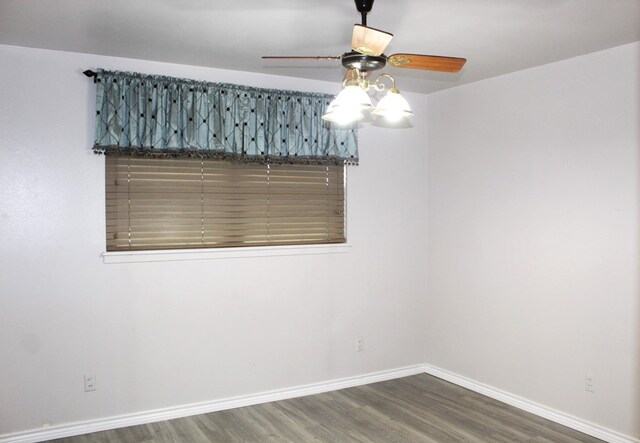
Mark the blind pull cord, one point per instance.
(129, 200)
(202, 202)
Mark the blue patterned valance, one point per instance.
(147, 115)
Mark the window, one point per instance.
(176, 203)
(194, 165)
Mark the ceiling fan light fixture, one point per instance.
(354, 97)
(353, 102)
(393, 107)
(342, 115)
(349, 106)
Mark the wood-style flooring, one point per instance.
(420, 408)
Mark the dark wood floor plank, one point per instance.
(416, 409)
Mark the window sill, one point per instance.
(225, 253)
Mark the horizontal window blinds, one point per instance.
(154, 204)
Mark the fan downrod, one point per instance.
(364, 7)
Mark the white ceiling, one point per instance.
(496, 36)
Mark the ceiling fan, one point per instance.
(368, 45)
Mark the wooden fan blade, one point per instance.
(301, 57)
(369, 41)
(426, 62)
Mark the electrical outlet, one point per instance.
(89, 383)
(588, 383)
(359, 344)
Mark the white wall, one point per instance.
(170, 333)
(533, 188)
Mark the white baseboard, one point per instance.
(529, 406)
(85, 427)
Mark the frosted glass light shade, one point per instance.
(348, 106)
(342, 115)
(393, 107)
(355, 97)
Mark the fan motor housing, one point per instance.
(362, 62)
